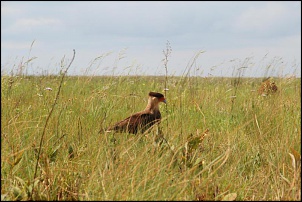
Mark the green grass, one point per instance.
(245, 152)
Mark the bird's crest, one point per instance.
(158, 95)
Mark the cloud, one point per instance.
(258, 18)
(225, 30)
(9, 11)
(268, 18)
(28, 24)
(13, 45)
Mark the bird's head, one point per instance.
(159, 96)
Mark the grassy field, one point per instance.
(221, 140)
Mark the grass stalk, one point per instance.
(46, 123)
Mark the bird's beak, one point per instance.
(162, 99)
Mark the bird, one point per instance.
(268, 86)
(141, 121)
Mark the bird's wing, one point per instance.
(138, 121)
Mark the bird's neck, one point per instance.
(152, 105)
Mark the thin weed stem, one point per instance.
(167, 54)
(47, 119)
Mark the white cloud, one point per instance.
(13, 45)
(27, 24)
(37, 22)
(262, 18)
(225, 30)
(8, 11)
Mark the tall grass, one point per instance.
(223, 140)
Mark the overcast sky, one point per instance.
(128, 38)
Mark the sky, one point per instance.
(217, 38)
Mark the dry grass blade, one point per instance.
(47, 119)
(230, 197)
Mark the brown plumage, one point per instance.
(143, 120)
(268, 86)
